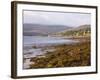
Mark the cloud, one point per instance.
(56, 18)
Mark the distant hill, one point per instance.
(34, 34)
(38, 29)
(82, 27)
(83, 30)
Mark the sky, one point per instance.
(56, 18)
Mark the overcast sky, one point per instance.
(56, 18)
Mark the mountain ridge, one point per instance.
(36, 29)
(82, 30)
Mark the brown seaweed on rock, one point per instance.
(65, 56)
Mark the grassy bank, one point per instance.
(72, 55)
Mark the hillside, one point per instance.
(83, 30)
(40, 29)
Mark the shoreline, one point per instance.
(57, 48)
(69, 53)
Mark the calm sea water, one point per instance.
(44, 40)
